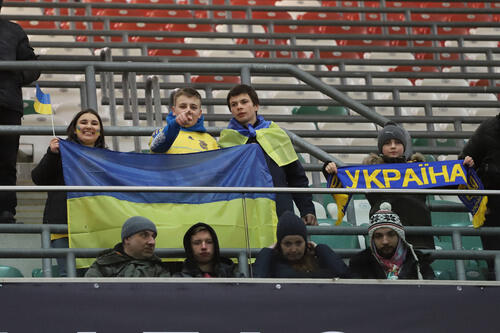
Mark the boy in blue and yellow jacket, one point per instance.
(184, 132)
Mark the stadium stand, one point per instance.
(433, 66)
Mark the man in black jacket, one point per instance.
(482, 152)
(390, 256)
(202, 254)
(14, 45)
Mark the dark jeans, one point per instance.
(8, 157)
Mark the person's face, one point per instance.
(88, 129)
(243, 109)
(293, 247)
(202, 245)
(393, 148)
(188, 104)
(385, 240)
(140, 245)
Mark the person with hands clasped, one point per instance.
(292, 256)
(86, 129)
(184, 132)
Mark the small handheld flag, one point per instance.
(42, 102)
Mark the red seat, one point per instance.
(147, 39)
(157, 2)
(279, 54)
(319, 16)
(253, 2)
(414, 69)
(33, 24)
(346, 29)
(337, 55)
(215, 79)
(173, 53)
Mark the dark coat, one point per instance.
(14, 45)
(484, 148)
(49, 172)
(223, 267)
(270, 264)
(290, 175)
(364, 265)
(115, 263)
(411, 208)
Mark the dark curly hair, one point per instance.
(70, 131)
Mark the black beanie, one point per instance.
(391, 131)
(290, 224)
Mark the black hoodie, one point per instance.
(223, 267)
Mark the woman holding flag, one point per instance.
(86, 129)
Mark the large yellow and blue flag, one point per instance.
(42, 102)
(412, 176)
(95, 218)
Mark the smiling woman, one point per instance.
(86, 129)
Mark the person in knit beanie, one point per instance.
(134, 256)
(293, 256)
(389, 255)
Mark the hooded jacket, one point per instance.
(223, 267)
(14, 45)
(411, 208)
(115, 263)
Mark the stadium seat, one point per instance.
(319, 16)
(336, 241)
(173, 53)
(215, 79)
(337, 55)
(414, 69)
(9, 272)
(38, 272)
(280, 54)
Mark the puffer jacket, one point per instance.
(14, 45)
(115, 263)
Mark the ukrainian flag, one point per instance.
(95, 218)
(42, 102)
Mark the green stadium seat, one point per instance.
(316, 110)
(9, 271)
(336, 241)
(38, 272)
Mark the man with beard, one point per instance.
(134, 256)
(390, 256)
(202, 255)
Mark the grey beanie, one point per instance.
(391, 131)
(135, 224)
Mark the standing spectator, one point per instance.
(184, 132)
(202, 254)
(134, 256)
(294, 257)
(14, 45)
(86, 129)
(390, 256)
(247, 127)
(411, 208)
(482, 152)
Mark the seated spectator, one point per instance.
(86, 129)
(412, 208)
(184, 132)
(390, 256)
(202, 255)
(134, 256)
(294, 257)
